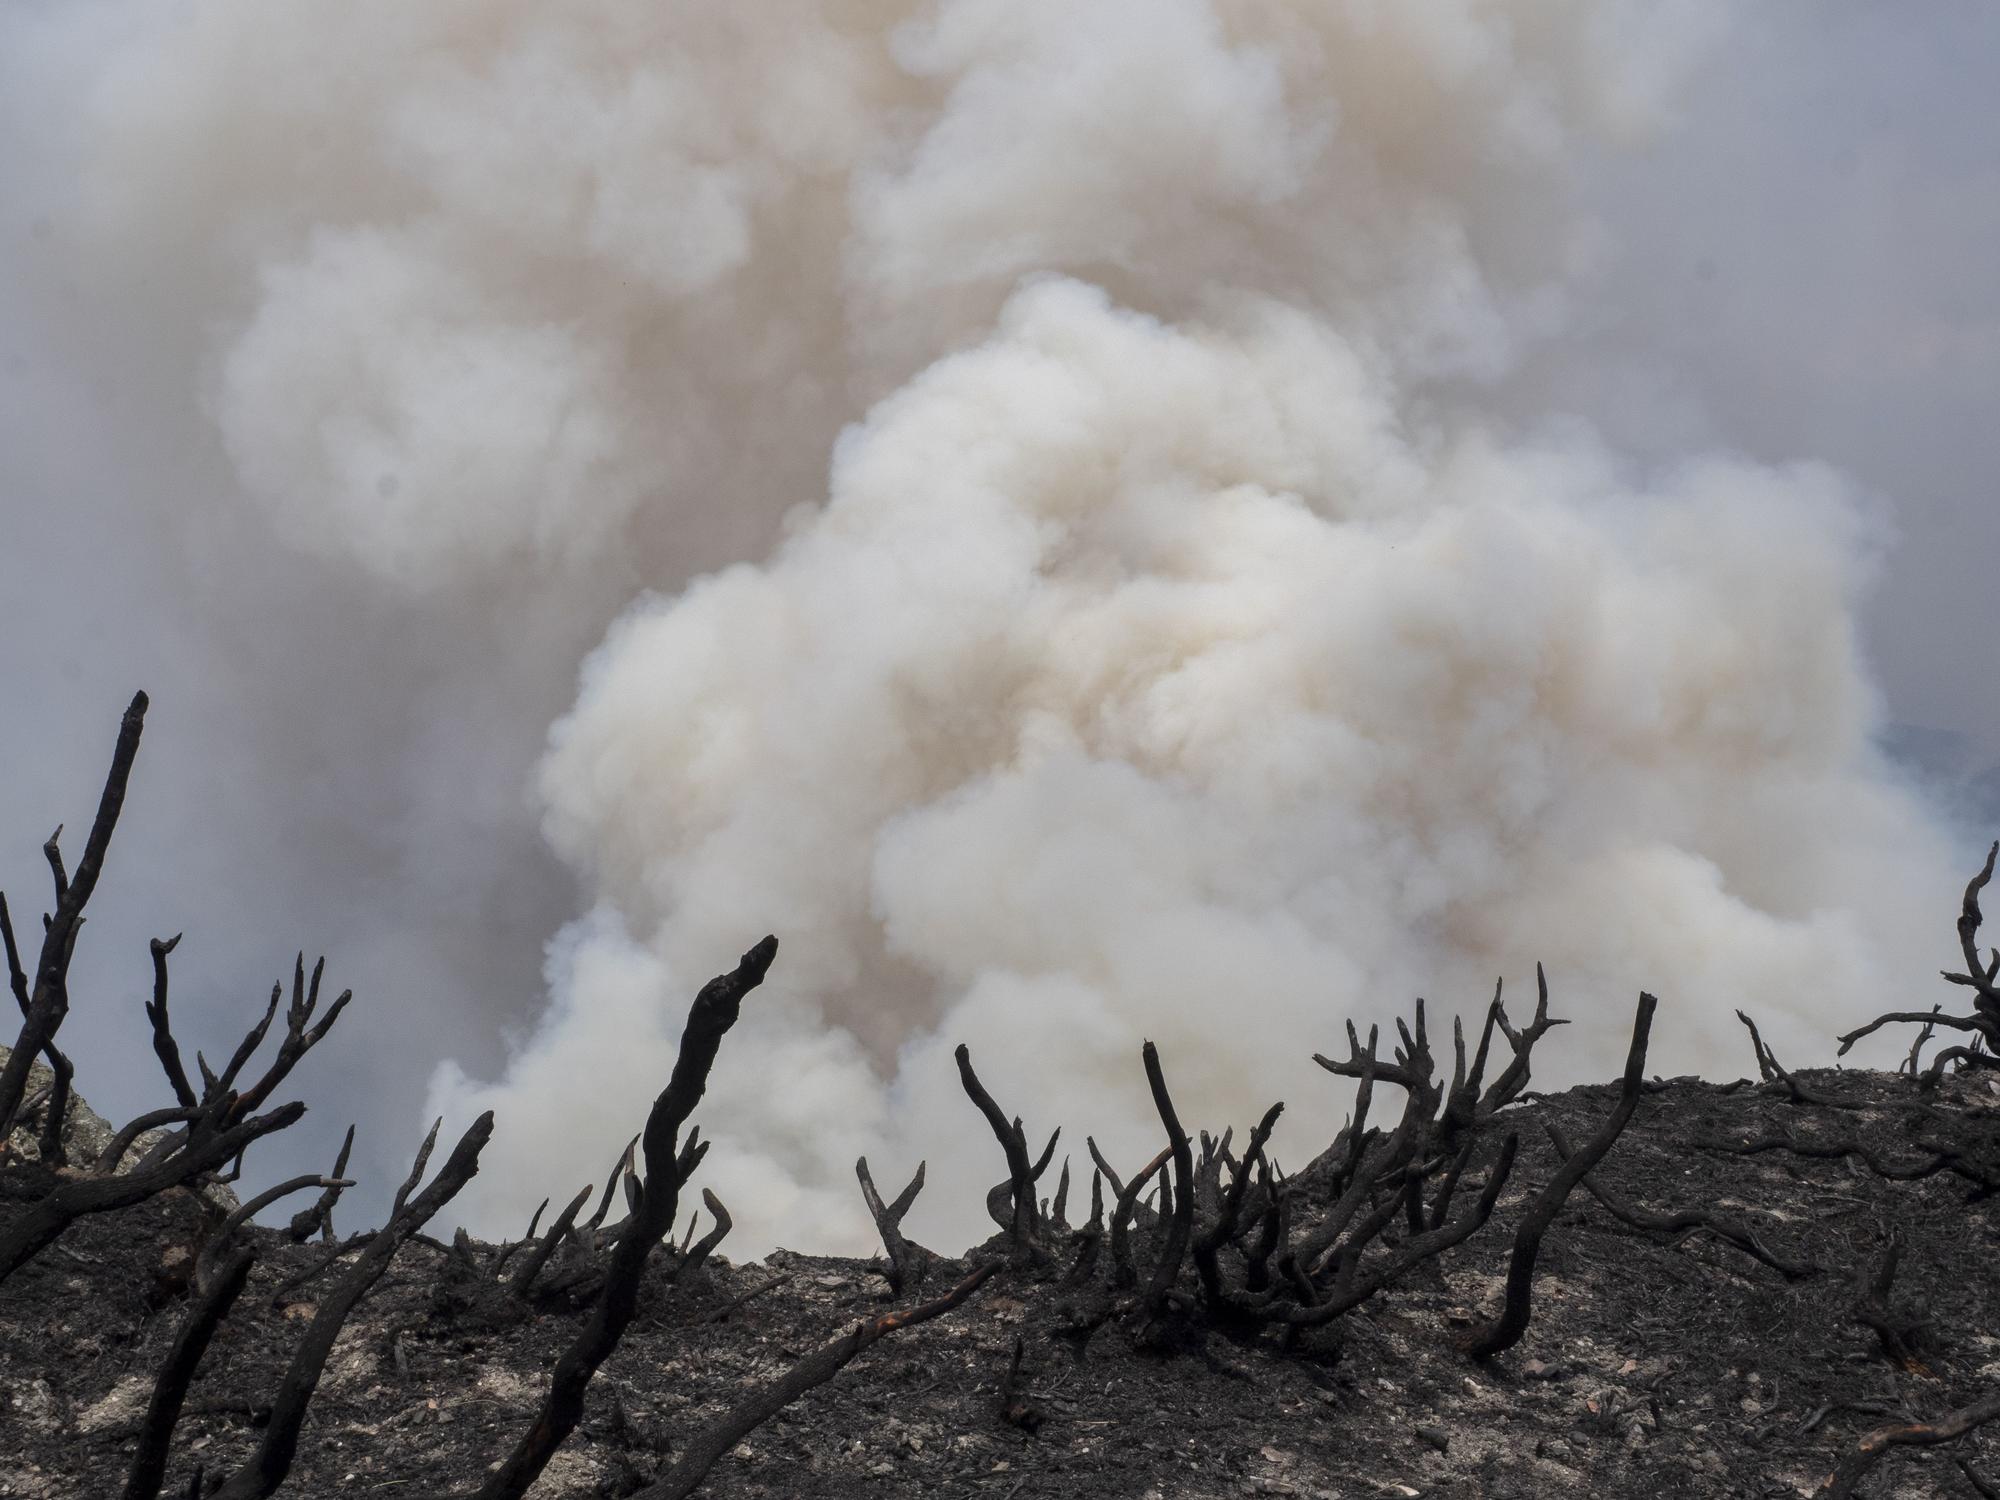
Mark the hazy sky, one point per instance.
(1807, 271)
(1799, 268)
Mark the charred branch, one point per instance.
(717, 1232)
(621, 1172)
(1899, 1330)
(707, 1446)
(1225, 1227)
(1168, 1268)
(164, 1046)
(206, 1147)
(1355, 1283)
(272, 1461)
(1410, 1071)
(1848, 1474)
(1023, 1221)
(524, 1275)
(319, 1218)
(1121, 1219)
(1736, 1231)
(1016, 1410)
(1515, 1077)
(1505, 1331)
(1981, 976)
(215, 1295)
(770, 1284)
(1465, 1105)
(245, 1212)
(1977, 1168)
(1089, 1240)
(48, 998)
(1777, 1076)
(908, 1263)
(668, 1166)
(302, 1033)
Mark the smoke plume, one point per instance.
(1036, 480)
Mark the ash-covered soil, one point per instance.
(1657, 1365)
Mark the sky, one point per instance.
(573, 515)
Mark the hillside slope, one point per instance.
(1656, 1364)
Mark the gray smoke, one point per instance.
(1062, 514)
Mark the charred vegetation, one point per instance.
(1430, 1277)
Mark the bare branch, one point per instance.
(1723, 1226)
(1847, 1475)
(1506, 1331)
(49, 996)
(1223, 1229)
(206, 1148)
(524, 1278)
(1168, 1269)
(164, 1046)
(215, 1296)
(714, 1011)
(268, 1467)
(320, 1216)
(1025, 1230)
(908, 1263)
(707, 1446)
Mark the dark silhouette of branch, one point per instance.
(244, 1212)
(1982, 977)
(206, 1147)
(707, 1446)
(1224, 1227)
(717, 1232)
(1728, 1227)
(1121, 1218)
(214, 1296)
(1899, 1330)
(1024, 1223)
(908, 1263)
(1775, 1074)
(272, 1461)
(1352, 1286)
(1168, 1268)
(1848, 1474)
(668, 1166)
(524, 1276)
(164, 1046)
(320, 1216)
(1514, 1078)
(300, 1036)
(1506, 1331)
(621, 1170)
(48, 997)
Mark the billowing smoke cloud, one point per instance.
(1120, 611)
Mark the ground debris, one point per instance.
(1668, 1366)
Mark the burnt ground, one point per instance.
(1656, 1365)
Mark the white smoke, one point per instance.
(1161, 638)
